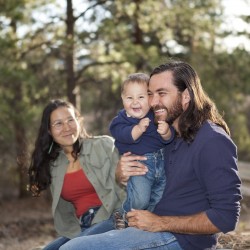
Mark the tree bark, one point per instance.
(73, 91)
(21, 151)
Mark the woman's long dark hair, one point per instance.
(201, 107)
(43, 154)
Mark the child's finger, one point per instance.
(161, 122)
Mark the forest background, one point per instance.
(82, 51)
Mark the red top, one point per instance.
(78, 190)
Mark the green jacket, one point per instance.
(98, 159)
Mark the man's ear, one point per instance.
(185, 97)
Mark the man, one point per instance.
(202, 195)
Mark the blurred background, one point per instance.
(82, 50)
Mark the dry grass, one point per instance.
(27, 225)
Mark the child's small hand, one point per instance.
(163, 128)
(143, 124)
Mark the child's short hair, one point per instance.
(135, 78)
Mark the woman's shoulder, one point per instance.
(103, 141)
(99, 139)
(98, 149)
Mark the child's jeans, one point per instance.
(145, 191)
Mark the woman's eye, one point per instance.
(71, 121)
(58, 124)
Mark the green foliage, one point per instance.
(111, 39)
(226, 79)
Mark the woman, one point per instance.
(80, 171)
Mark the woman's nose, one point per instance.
(66, 126)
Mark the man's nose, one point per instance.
(153, 100)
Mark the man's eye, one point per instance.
(162, 93)
(141, 97)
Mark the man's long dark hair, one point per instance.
(201, 108)
(43, 155)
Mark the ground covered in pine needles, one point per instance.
(26, 224)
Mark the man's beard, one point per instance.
(172, 113)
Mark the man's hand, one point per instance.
(129, 165)
(144, 220)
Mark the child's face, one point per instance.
(135, 99)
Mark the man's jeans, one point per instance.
(126, 239)
(145, 191)
(86, 229)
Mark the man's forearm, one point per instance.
(193, 224)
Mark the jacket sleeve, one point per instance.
(65, 220)
(101, 165)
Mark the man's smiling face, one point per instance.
(164, 98)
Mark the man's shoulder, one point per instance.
(211, 132)
(210, 128)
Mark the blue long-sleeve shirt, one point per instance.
(150, 141)
(202, 176)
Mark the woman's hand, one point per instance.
(129, 165)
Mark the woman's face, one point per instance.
(64, 127)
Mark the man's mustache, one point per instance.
(158, 107)
(156, 117)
